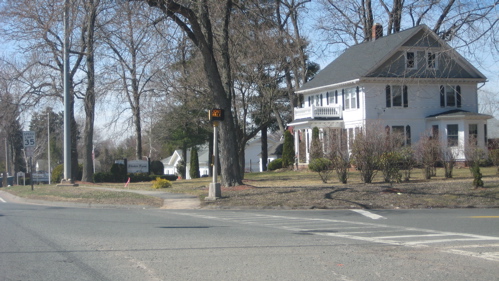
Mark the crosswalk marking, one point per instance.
(448, 242)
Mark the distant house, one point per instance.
(170, 163)
(253, 153)
(252, 157)
(410, 82)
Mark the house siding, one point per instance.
(382, 67)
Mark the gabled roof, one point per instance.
(361, 60)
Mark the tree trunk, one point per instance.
(265, 153)
(138, 130)
(197, 25)
(88, 163)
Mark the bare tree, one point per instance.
(466, 23)
(367, 148)
(336, 150)
(134, 56)
(428, 153)
(39, 27)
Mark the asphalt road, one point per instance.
(66, 243)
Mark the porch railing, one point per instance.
(318, 112)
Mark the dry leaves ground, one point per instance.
(304, 190)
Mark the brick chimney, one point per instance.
(377, 31)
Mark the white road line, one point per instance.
(494, 256)
(369, 214)
(3, 201)
(375, 233)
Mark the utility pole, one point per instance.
(48, 144)
(67, 180)
(6, 157)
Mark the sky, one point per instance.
(321, 54)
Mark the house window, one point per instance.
(431, 60)
(350, 137)
(410, 60)
(450, 96)
(452, 135)
(396, 96)
(473, 133)
(402, 133)
(434, 131)
(318, 100)
(350, 96)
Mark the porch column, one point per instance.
(297, 144)
(307, 145)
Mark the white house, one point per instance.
(252, 157)
(170, 163)
(411, 82)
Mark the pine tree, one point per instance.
(194, 169)
(316, 145)
(288, 150)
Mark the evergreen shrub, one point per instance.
(275, 164)
(157, 167)
(119, 172)
(321, 166)
(288, 150)
(57, 173)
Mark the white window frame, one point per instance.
(435, 60)
(403, 100)
(453, 137)
(350, 98)
(452, 90)
(414, 60)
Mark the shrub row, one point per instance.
(137, 177)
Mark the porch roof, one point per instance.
(308, 123)
(459, 114)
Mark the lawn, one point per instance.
(296, 190)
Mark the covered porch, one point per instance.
(302, 132)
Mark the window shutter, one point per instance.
(358, 102)
(408, 135)
(458, 96)
(327, 98)
(442, 96)
(321, 99)
(336, 97)
(388, 96)
(405, 97)
(308, 101)
(343, 98)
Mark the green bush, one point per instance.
(161, 183)
(103, 177)
(166, 177)
(321, 166)
(138, 177)
(275, 164)
(57, 173)
(119, 172)
(157, 167)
